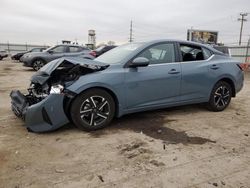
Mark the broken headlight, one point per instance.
(56, 89)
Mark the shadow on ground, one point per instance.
(154, 124)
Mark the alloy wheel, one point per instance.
(38, 64)
(94, 110)
(221, 97)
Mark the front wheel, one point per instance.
(37, 64)
(220, 96)
(92, 110)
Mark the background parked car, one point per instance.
(37, 60)
(18, 55)
(3, 54)
(101, 50)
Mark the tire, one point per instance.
(220, 96)
(37, 64)
(1, 58)
(93, 109)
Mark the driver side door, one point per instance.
(157, 84)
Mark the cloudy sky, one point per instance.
(50, 21)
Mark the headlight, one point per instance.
(56, 89)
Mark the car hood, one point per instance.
(44, 73)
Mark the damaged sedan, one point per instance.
(130, 78)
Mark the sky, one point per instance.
(50, 21)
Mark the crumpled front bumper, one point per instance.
(45, 116)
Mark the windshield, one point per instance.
(49, 48)
(117, 54)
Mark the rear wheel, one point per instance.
(220, 96)
(38, 63)
(92, 110)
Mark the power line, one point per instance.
(242, 19)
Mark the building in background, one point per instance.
(202, 36)
(66, 42)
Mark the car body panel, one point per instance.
(44, 116)
(139, 89)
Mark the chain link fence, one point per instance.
(12, 48)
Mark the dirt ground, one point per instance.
(177, 147)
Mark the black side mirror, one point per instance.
(139, 62)
(50, 52)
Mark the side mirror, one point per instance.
(139, 62)
(50, 52)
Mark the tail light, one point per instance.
(243, 66)
(93, 53)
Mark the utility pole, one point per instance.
(131, 32)
(242, 20)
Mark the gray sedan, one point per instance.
(37, 60)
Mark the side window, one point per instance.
(161, 53)
(207, 53)
(191, 53)
(73, 49)
(35, 50)
(58, 49)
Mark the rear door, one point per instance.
(72, 51)
(195, 82)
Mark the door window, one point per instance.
(194, 53)
(58, 49)
(73, 49)
(161, 53)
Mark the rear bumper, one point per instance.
(45, 116)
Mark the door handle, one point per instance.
(173, 71)
(214, 67)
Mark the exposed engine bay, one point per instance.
(64, 75)
(53, 78)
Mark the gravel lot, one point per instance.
(177, 147)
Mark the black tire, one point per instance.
(37, 64)
(1, 58)
(220, 96)
(92, 110)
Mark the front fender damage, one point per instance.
(43, 108)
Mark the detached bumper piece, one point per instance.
(44, 116)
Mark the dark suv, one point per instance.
(3, 54)
(39, 59)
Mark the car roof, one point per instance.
(183, 41)
(70, 45)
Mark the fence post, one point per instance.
(248, 43)
(8, 46)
